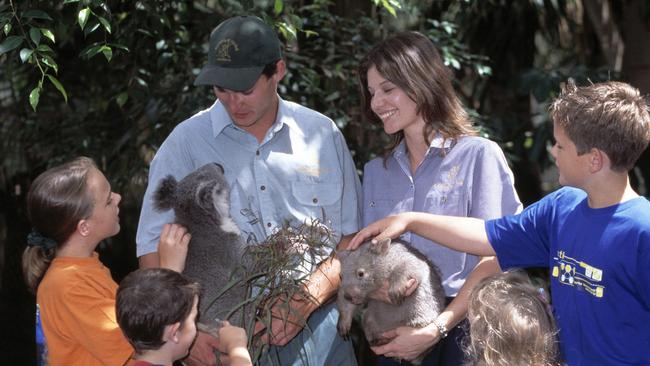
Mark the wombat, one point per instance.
(201, 203)
(365, 270)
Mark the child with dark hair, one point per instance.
(510, 323)
(157, 309)
(72, 209)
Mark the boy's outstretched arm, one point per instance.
(464, 234)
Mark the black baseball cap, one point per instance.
(240, 47)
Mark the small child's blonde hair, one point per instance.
(510, 323)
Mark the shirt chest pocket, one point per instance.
(321, 200)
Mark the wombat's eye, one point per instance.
(361, 273)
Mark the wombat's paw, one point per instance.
(396, 294)
(343, 328)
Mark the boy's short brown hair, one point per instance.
(611, 116)
(150, 299)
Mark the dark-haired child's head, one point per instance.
(155, 306)
(612, 117)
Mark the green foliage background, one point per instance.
(110, 79)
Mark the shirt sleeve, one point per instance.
(171, 159)
(92, 314)
(493, 192)
(350, 203)
(643, 263)
(522, 240)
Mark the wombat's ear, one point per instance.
(220, 167)
(165, 195)
(342, 254)
(381, 247)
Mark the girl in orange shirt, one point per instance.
(72, 209)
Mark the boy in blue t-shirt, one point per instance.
(594, 237)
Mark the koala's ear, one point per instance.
(381, 247)
(165, 195)
(220, 167)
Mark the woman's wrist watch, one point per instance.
(442, 329)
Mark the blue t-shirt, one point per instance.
(599, 261)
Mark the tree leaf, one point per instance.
(82, 17)
(34, 96)
(108, 53)
(49, 61)
(36, 14)
(278, 6)
(122, 98)
(48, 33)
(44, 48)
(10, 43)
(7, 29)
(58, 86)
(35, 35)
(25, 54)
(70, 1)
(91, 51)
(105, 23)
(91, 26)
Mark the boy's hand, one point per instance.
(202, 351)
(172, 248)
(232, 343)
(388, 227)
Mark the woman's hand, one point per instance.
(408, 343)
(388, 227)
(172, 248)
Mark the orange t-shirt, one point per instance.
(77, 302)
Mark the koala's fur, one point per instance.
(365, 270)
(201, 202)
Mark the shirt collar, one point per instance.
(436, 143)
(221, 119)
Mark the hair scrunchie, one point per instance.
(36, 239)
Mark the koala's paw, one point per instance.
(212, 328)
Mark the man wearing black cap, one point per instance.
(283, 162)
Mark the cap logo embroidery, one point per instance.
(223, 49)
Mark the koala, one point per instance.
(201, 203)
(365, 270)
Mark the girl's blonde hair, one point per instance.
(57, 200)
(510, 323)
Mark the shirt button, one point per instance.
(268, 224)
(412, 186)
(315, 200)
(257, 153)
(262, 187)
